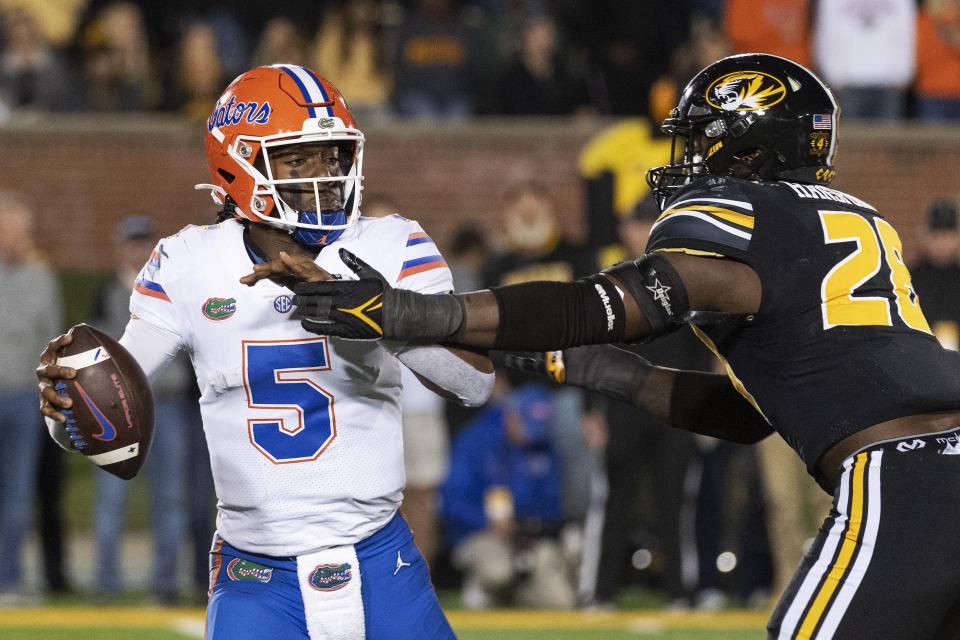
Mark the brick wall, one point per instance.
(83, 174)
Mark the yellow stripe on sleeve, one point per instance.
(691, 252)
(729, 215)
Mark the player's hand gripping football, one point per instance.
(605, 368)
(369, 308)
(51, 402)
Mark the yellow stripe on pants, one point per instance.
(850, 543)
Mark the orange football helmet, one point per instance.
(259, 113)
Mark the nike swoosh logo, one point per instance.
(107, 430)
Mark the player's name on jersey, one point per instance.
(818, 192)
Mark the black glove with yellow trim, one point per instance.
(369, 308)
(604, 368)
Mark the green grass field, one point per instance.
(93, 623)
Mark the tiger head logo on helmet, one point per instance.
(756, 116)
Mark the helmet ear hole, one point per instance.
(226, 175)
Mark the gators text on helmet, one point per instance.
(752, 115)
(259, 114)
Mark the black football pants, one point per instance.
(886, 563)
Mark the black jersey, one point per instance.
(839, 342)
(939, 288)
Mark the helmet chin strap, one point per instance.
(319, 237)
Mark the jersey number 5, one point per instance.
(877, 242)
(281, 377)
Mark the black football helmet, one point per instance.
(755, 116)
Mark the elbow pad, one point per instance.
(657, 289)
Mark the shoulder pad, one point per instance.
(709, 217)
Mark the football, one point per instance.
(111, 420)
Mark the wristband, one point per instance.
(417, 317)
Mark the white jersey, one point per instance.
(304, 431)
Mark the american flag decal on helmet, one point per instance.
(822, 121)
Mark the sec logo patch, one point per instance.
(283, 304)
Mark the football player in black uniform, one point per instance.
(802, 290)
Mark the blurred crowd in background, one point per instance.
(546, 496)
(461, 58)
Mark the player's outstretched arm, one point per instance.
(628, 302)
(463, 375)
(369, 308)
(705, 403)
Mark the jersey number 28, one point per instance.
(877, 242)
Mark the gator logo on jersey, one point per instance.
(330, 577)
(745, 91)
(240, 569)
(219, 308)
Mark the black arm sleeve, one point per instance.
(542, 316)
(708, 404)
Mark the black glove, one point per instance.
(369, 308)
(345, 308)
(604, 368)
(549, 363)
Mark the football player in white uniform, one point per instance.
(304, 430)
